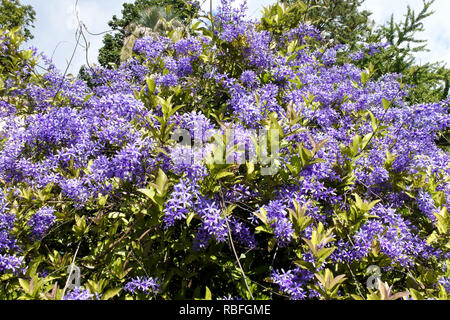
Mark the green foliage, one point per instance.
(120, 236)
(342, 21)
(15, 62)
(15, 15)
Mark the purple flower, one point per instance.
(7, 222)
(426, 205)
(293, 282)
(179, 203)
(277, 214)
(249, 78)
(80, 294)
(11, 264)
(144, 285)
(214, 222)
(41, 221)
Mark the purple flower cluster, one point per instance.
(277, 214)
(426, 205)
(147, 285)
(213, 222)
(151, 47)
(394, 236)
(304, 32)
(103, 138)
(293, 282)
(180, 202)
(232, 20)
(331, 116)
(368, 49)
(41, 221)
(11, 264)
(7, 222)
(48, 146)
(80, 294)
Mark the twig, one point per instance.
(234, 250)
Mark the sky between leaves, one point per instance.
(57, 23)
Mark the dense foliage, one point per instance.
(341, 21)
(345, 23)
(125, 181)
(13, 14)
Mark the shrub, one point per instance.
(324, 174)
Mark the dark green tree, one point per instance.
(113, 43)
(13, 15)
(341, 21)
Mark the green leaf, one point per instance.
(442, 222)
(208, 294)
(102, 200)
(357, 140)
(373, 120)
(416, 295)
(366, 140)
(111, 293)
(223, 174)
(25, 285)
(189, 218)
(386, 104)
(359, 202)
(263, 229)
(151, 85)
(304, 264)
(162, 183)
(262, 215)
(324, 253)
(364, 77)
(32, 268)
(150, 193)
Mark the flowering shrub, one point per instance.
(347, 175)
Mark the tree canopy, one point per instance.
(342, 21)
(13, 15)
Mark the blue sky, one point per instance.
(56, 25)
